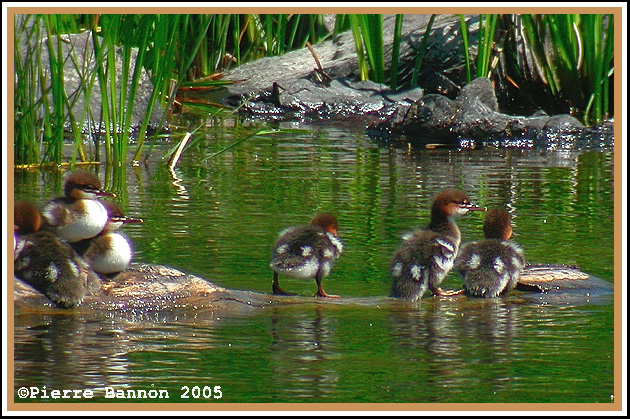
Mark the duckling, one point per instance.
(491, 267)
(307, 251)
(110, 252)
(427, 256)
(48, 263)
(78, 215)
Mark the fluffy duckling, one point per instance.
(110, 251)
(307, 251)
(48, 263)
(491, 267)
(78, 215)
(427, 256)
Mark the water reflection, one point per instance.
(439, 335)
(301, 349)
(50, 350)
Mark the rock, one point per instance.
(143, 289)
(285, 88)
(79, 60)
(473, 116)
(150, 288)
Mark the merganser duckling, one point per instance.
(307, 251)
(491, 267)
(427, 256)
(78, 215)
(48, 263)
(110, 251)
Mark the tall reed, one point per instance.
(367, 31)
(172, 48)
(575, 55)
(41, 103)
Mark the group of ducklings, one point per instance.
(489, 267)
(65, 249)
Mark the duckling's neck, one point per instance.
(443, 224)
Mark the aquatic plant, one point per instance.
(569, 57)
(172, 49)
(367, 31)
(40, 98)
(576, 55)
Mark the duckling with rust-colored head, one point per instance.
(78, 215)
(426, 256)
(306, 252)
(491, 267)
(48, 263)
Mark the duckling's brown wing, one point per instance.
(55, 212)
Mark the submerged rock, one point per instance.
(150, 288)
(154, 288)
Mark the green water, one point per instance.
(218, 218)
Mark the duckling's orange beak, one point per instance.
(473, 207)
(108, 194)
(126, 220)
(129, 220)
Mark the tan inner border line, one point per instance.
(618, 184)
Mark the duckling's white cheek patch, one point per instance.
(282, 249)
(461, 210)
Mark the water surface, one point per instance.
(219, 217)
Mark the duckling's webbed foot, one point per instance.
(320, 290)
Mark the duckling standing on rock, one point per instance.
(48, 263)
(493, 266)
(427, 256)
(78, 215)
(307, 251)
(109, 252)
